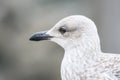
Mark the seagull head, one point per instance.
(70, 32)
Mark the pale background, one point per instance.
(21, 59)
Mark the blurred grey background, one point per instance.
(21, 59)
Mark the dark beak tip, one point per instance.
(33, 38)
(40, 36)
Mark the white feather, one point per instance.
(83, 59)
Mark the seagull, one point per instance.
(83, 58)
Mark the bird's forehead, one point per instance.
(76, 23)
(69, 21)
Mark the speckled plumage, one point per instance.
(83, 58)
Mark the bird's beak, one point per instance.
(40, 36)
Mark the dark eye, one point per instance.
(62, 30)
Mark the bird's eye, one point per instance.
(62, 30)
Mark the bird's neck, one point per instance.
(76, 60)
(78, 53)
(84, 47)
(78, 57)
